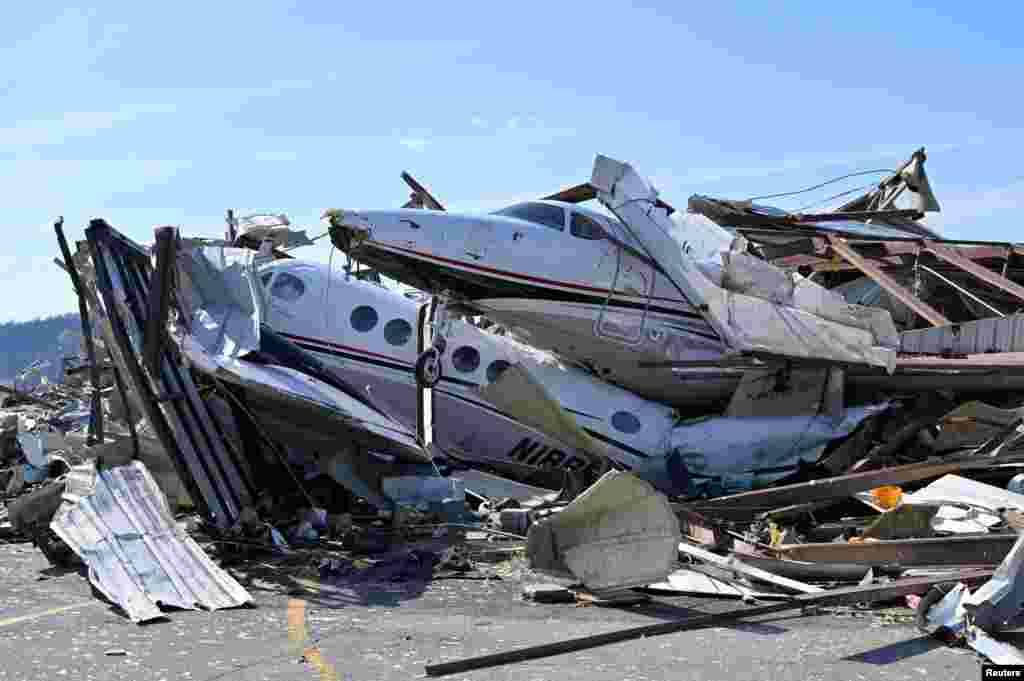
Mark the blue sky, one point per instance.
(149, 114)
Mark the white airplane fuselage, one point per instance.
(562, 281)
(369, 335)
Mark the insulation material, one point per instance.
(118, 522)
(752, 276)
(619, 533)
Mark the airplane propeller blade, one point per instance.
(420, 198)
(578, 194)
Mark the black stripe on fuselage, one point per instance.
(469, 384)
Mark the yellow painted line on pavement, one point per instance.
(298, 635)
(52, 611)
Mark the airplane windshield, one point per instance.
(539, 213)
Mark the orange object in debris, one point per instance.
(888, 497)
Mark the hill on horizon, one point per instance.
(47, 339)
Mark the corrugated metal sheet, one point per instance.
(996, 334)
(119, 523)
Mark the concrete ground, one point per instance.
(51, 627)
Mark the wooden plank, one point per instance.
(967, 265)
(987, 549)
(748, 505)
(888, 283)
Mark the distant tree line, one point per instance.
(43, 340)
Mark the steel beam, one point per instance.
(967, 265)
(922, 308)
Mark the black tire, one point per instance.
(428, 368)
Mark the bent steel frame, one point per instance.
(187, 428)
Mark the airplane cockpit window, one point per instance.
(540, 213)
(397, 332)
(585, 228)
(466, 359)
(363, 318)
(287, 287)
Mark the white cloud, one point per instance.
(961, 210)
(414, 143)
(56, 130)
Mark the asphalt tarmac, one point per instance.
(52, 627)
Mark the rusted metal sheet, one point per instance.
(986, 549)
(983, 273)
(922, 308)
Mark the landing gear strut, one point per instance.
(428, 368)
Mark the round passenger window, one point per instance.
(287, 287)
(495, 369)
(397, 332)
(364, 318)
(466, 359)
(625, 422)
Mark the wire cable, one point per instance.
(823, 184)
(835, 196)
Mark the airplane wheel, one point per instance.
(428, 368)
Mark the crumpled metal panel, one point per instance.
(619, 533)
(830, 330)
(119, 523)
(216, 289)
